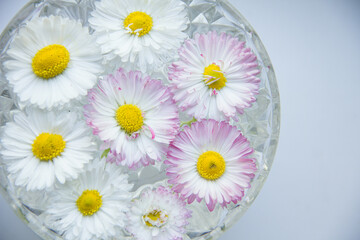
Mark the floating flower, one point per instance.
(135, 115)
(52, 61)
(92, 206)
(210, 161)
(215, 76)
(139, 31)
(158, 215)
(43, 148)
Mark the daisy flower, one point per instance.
(158, 215)
(135, 116)
(52, 61)
(210, 161)
(92, 206)
(215, 76)
(139, 31)
(43, 148)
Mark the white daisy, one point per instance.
(216, 76)
(158, 215)
(43, 148)
(92, 206)
(210, 160)
(135, 116)
(139, 31)
(52, 61)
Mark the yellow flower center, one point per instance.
(47, 146)
(155, 218)
(211, 165)
(50, 61)
(89, 202)
(139, 23)
(213, 77)
(129, 118)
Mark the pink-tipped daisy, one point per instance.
(215, 76)
(210, 160)
(134, 115)
(158, 215)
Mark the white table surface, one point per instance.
(313, 190)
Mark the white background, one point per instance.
(313, 190)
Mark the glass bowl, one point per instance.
(259, 124)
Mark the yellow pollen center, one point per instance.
(139, 23)
(213, 77)
(155, 218)
(50, 61)
(211, 165)
(89, 202)
(47, 146)
(129, 118)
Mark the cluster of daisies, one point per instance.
(78, 131)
